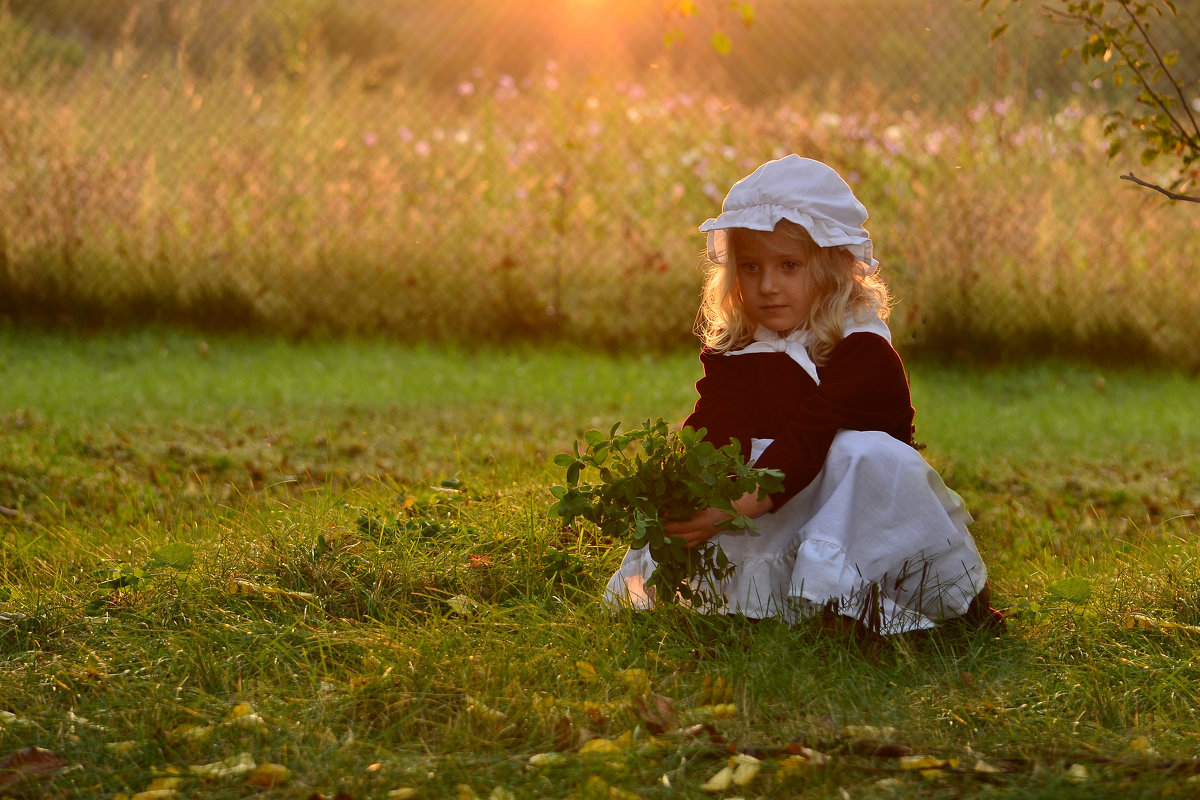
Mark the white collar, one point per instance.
(795, 344)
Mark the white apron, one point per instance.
(876, 534)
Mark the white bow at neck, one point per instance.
(795, 343)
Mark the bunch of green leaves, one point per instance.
(649, 476)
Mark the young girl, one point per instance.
(799, 368)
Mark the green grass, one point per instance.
(375, 575)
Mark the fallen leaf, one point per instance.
(165, 782)
(1140, 747)
(193, 733)
(155, 794)
(240, 710)
(121, 748)
(1078, 773)
(268, 774)
(638, 680)
(715, 711)
(234, 765)
(720, 782)
(545, 759)
(585, 671)
(462, 605)
(28, 763)
(500, 793)
(402, 793)
(814, 757)
(599, 746)
(921, 762)
(745, 769)
(7, 718)
(658, 712)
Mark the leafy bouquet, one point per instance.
(650, 476)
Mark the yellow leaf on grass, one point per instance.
(1078, 773)
(402, 793)
(234, 765)
(120, 748)
(720, 782)
(638, 680)
(921, 762)
(545, 759)
(158, 784)
(194, 733)
(806, 756)
(585, 671)
(715, 711)
(593, 746)
(268, 774)
(500, 793)
(240, 710)
(1149, 623)
(155, 794)
(745, 769)
(7, 718)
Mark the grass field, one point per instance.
(233, 557)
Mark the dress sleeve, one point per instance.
(721, 406)
(863, 387)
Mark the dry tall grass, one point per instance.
(556, 208)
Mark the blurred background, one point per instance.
(476, 172)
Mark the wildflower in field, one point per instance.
(422, 148)
(370, 139)
(506, 88)
(466, 89)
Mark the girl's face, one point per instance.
(773, 278)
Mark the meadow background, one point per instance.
(500, 172)
(299, 299)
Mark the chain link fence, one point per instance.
(515, 171)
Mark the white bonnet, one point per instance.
(802, 190)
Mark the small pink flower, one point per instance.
(370, 139)
(466, 89)
(422, 148)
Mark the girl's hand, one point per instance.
(703, 524)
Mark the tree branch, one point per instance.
(1183, 102)
(1129, 176)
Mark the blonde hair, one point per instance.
(840, 283)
